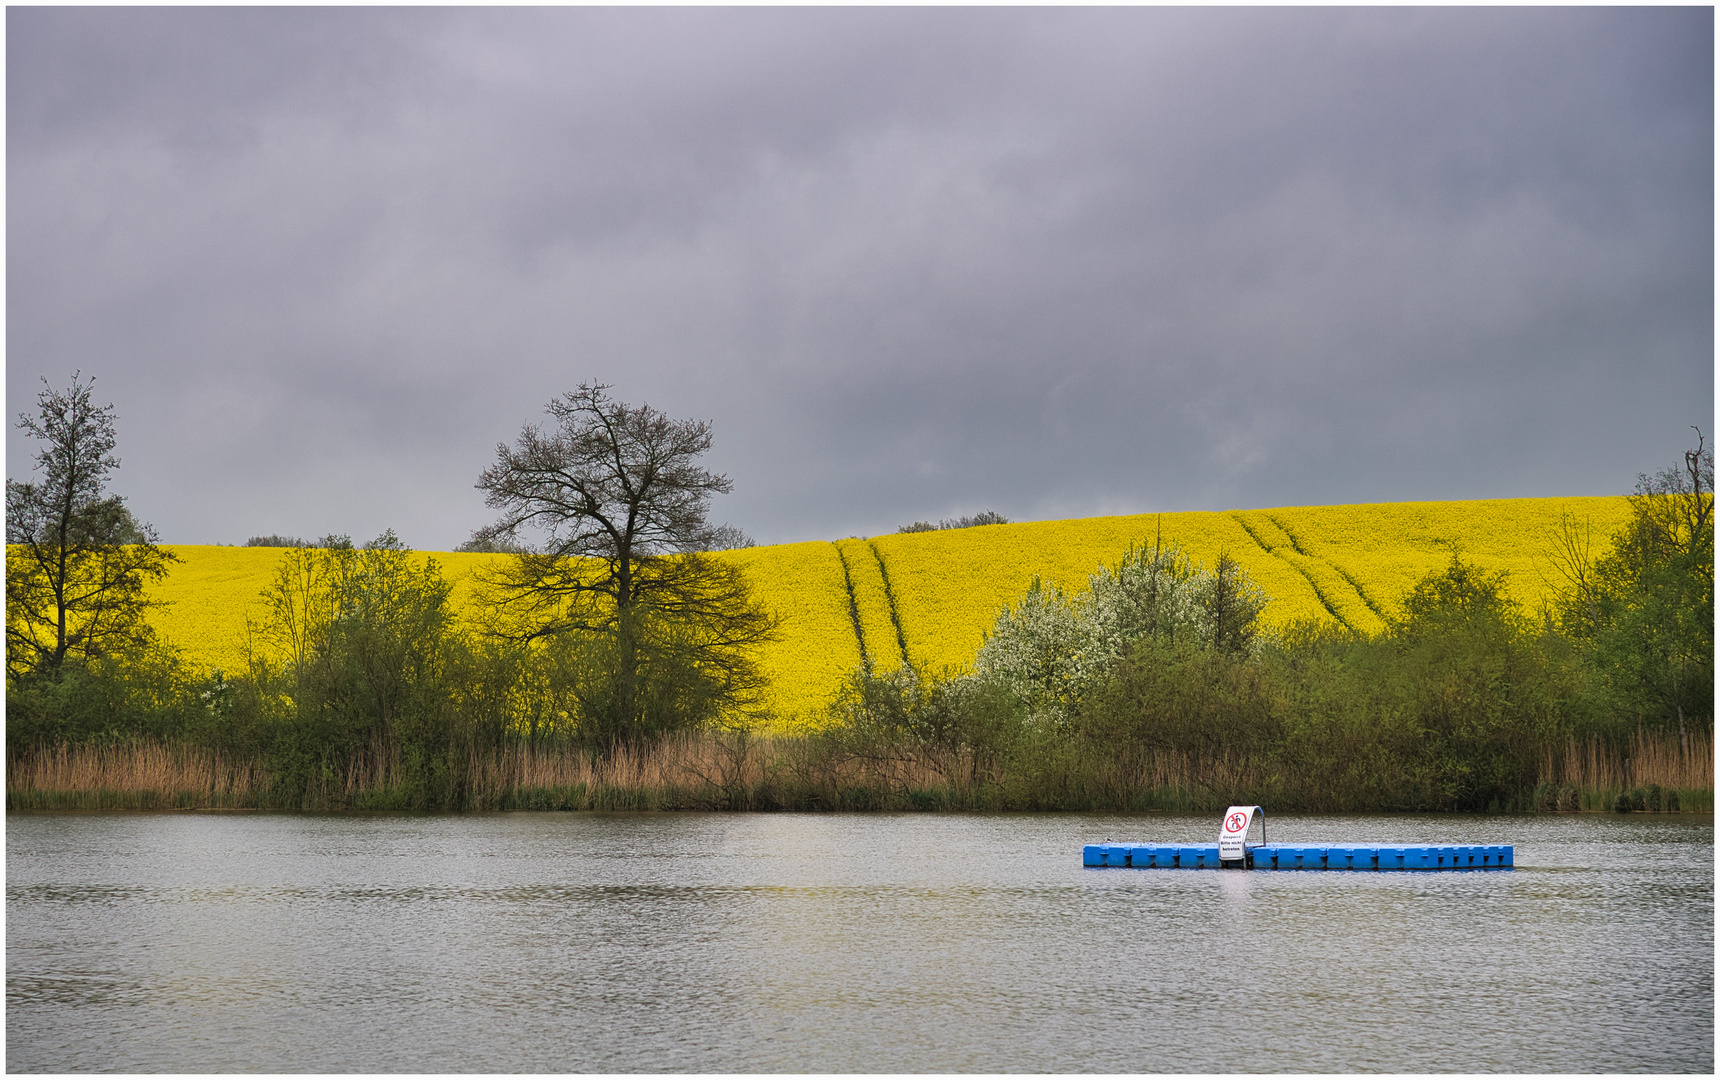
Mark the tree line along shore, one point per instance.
(612, 651)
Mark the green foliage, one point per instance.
(108, 699)
(1070, 693)
(1232, 603)
(367, 637)
(1125, 697)
(1652, 799)
(1461, 599)
(1179, 698)
(1481, 693)
(1643, 611)
(906, 710)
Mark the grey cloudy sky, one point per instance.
(912, 263)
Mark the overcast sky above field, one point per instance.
(911, 263)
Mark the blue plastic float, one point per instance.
(1238, 849)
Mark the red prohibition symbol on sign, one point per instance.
(1235, 822)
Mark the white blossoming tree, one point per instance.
(1052, 649)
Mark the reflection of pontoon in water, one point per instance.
(1242, 845)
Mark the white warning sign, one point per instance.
(1233, 834)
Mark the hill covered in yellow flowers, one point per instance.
(934, 594)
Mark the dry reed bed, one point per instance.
(730, 771)
(740, 771)
(1592, 776)
(141, 776)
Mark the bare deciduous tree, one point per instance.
(614, 503)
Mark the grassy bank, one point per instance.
(740, 771)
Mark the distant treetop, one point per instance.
(332, 540)
(726, 537)
(984, 517)
(482, 541)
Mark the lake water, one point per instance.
(843, 943)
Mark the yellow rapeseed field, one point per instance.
(1350, 563)
(802, 584)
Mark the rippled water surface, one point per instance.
(831, 943)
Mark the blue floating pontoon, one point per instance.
(1237, 849)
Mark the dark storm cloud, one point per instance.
(913, 263)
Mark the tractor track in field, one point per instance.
(1319, 593)
(1349, 579)
(853, 609)
(890, 598)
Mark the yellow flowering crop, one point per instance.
(872, 602)
(802, 585)
(209, 596)
(1312, 561)
(1385, 548)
